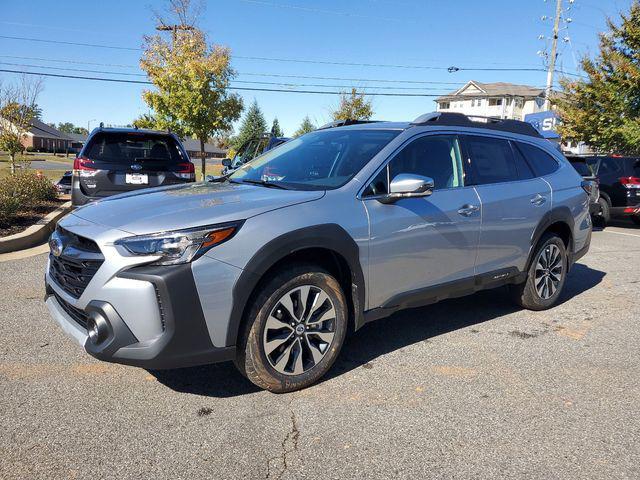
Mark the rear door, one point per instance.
(513, 200)
(125, 161)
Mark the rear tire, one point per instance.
(605, 212)
(294, 329)
(546, 276)
(636, 219)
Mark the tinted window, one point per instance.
(132, 147)
(434, 156)
(541, 162)
(491, 160)
(522, 167)
(581, 168)
(319, 160)
(636, 169)
(379, 185)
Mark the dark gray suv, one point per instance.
(272, 265)
(118, 160)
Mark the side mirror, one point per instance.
(406, 185)
(226, 162)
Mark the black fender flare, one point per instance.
(328, 236)
(560, 214)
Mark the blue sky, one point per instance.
(427, 33)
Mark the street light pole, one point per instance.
(89, 124)
(552, 60)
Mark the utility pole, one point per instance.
(174, 29)
(552, 59)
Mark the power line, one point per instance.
(253, 74)
(298, 60)
(282, 84)
(251, 89)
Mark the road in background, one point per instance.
(468, 388)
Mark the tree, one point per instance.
(353, 106)
(253, 125)
(66, 127)
(80, 131)
(191, 80)
(146, 120)
(17, 107)
(276, 130)
(604, 109)
(305, 127)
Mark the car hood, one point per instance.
(190, 205)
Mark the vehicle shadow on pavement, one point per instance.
(380, 337)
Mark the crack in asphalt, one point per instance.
(292, 438)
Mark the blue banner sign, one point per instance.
(545, 123)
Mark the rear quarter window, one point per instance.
(541, 162)
(130, 147)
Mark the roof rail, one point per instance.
(344, 123)
(474, 121)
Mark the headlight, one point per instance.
(179, 246)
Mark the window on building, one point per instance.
(444, 105)
(494, 102)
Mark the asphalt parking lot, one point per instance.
(469, 388)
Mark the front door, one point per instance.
(416, 243)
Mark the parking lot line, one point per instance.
(621, 233)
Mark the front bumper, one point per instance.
(183, 339)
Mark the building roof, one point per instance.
(77, 137)
(193, 145)
(473, 89)
(41, 129)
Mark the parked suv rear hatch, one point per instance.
(116, 162)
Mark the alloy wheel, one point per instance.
(299, 330)
(549, 271)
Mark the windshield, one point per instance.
(319, 160)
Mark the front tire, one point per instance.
(546, 276)
(294, 329)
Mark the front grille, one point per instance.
(75, 313)
(79, 262)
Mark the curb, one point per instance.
(36, 234)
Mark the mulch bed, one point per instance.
(25, 219)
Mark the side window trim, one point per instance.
(394, 154)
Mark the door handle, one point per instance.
(468, 210)
(538, 199)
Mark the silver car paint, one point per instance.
(424, 236)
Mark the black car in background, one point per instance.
(118, 160)
(593, 183)
(619, 185)
(63, 186)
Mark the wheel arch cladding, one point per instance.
(559, 221)
(328, 245)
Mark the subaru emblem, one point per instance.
(136, 167)
(55, 244)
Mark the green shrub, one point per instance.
(8, 208)
(27, 188)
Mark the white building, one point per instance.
(500, 100)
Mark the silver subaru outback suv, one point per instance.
(271, 266)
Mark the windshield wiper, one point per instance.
(264, 183)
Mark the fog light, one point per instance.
(97, 329)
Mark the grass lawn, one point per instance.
(61, 164)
